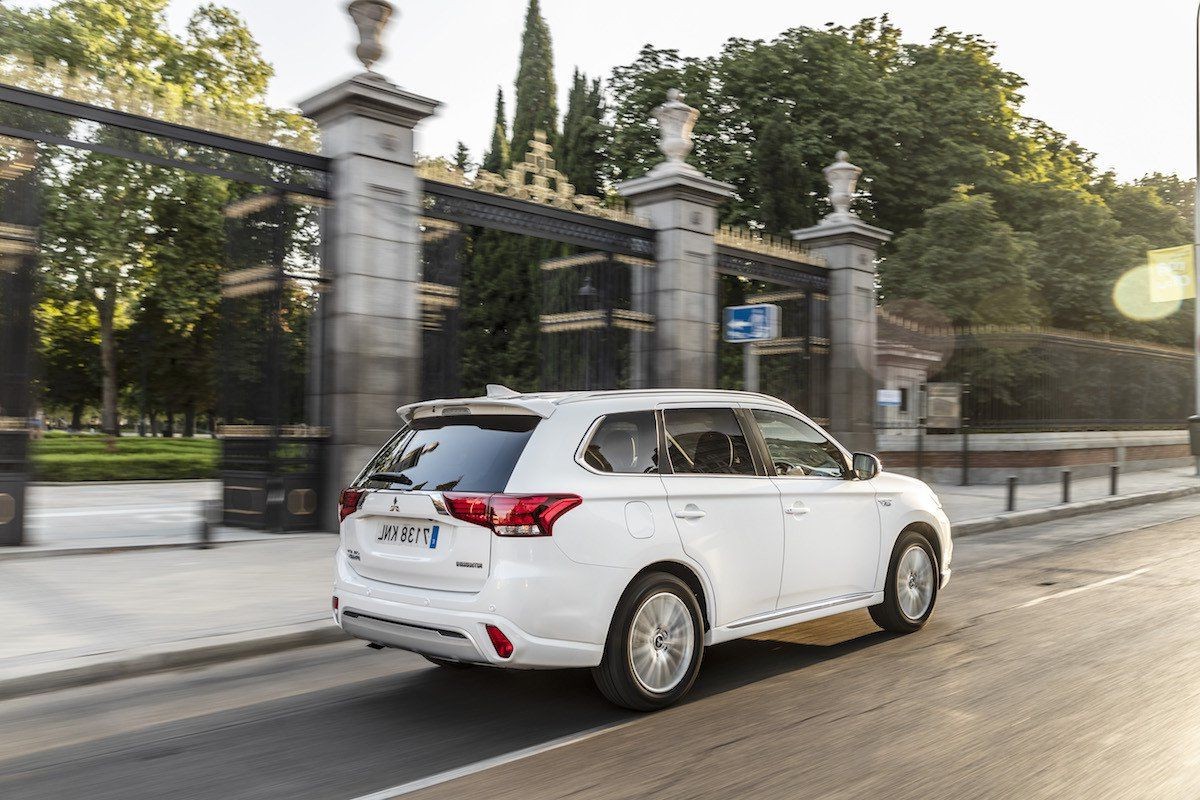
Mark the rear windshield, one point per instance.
(451, 454)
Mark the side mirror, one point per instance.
(866, 466)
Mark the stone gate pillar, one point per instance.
(372, 318)
(681, 204)
(849, 246)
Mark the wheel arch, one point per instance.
(926, 530)
(688, 575)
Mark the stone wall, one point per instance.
(1034, 457)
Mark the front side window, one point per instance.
(707, 441)
(624, 443)
(797, 448)
(475, 453)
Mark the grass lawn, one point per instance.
(130, 458)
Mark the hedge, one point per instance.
(100, 465)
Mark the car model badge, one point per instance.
(395, 505)
(885, 503)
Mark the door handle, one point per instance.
(797, 510)
(690, 511)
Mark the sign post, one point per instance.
(748, 325)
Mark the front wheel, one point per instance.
(911, 587)
(654, 646)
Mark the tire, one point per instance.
(910, 589)
(667, 646)
(447, 663)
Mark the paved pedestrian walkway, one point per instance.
(971, 502)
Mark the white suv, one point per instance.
(624, 531)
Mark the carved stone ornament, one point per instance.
(371, 17)
(842, 177)
(676, 120)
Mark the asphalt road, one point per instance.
(1062, 662)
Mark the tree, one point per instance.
(582, 149)
(968, 264)
(496, 159)
(99, 228)
(462, 157)
(68, 352)
(536, 107)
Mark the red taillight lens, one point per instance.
(471, 508)
(349, 501)
(512, 514)
(504, 648)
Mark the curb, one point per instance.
(1016, 519)
(168, 656)
(38, 551)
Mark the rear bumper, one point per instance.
(412, 623)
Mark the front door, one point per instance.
(726, 512)
(831, 523)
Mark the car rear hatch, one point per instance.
(403, 532)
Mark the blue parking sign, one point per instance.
(756, 323)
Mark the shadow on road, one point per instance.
(369, 735)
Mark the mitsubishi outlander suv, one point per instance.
(624, 531)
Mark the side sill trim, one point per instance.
(802, 609)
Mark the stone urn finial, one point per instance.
(676, 119)
(371, 17)
(843, 179)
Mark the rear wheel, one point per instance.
(911, 586)
(655, 644)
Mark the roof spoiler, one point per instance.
(476, 405)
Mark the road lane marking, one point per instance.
(495, 761)
(1085, 587)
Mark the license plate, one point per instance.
(409, 534)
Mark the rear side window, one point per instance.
(624, 443)
(451, 454)
(707, 441)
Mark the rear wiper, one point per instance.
(390, 477)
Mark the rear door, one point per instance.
(831, 524)
(402, 533)
(725, 509)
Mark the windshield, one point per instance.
(464, 454)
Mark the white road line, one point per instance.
(496, 761)
(1084, 588)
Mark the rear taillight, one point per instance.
(349, 501)
(504, 648)
(512, 514)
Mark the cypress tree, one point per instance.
(584, 137)
(497, 158)
(536, 103)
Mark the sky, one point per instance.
(1118, 77)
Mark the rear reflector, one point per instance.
(335, 602)
(504, 648)
(511, 514)
(349, 501)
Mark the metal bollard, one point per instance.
(210, 515)
(1066, 486)
(1011, 505)
(1113, 474)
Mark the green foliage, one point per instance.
(921, 119)
(537, 97)
(89, 458)
(497, 157)
(582, 149)
(968, 264)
